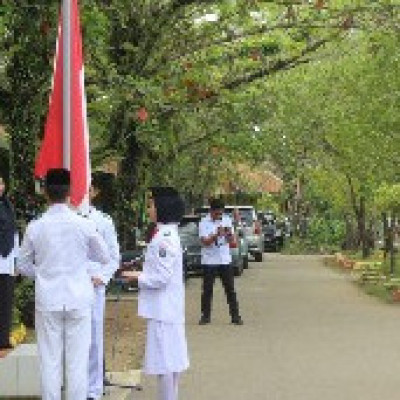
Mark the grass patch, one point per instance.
(379, 291)
(372, 274)
(305, 246)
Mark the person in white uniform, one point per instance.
(216, 234)
(8, 250)
(100, 277)
(161, 295)
(55, 252)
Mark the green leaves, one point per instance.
(319, 81)
(387, 198)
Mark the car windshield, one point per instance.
(268, 219)
(202, 211)
(269, 229)
(246, 215)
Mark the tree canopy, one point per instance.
(180, 91)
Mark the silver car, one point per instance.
(246, 217)
(191, 246)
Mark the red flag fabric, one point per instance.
(51, 151)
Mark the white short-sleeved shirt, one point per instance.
(218, 253)
(105, 226)
(55, 252)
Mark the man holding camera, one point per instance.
(216, 234)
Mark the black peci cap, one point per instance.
(101, 179)
(217, 204)
(169, 205)
(158, 191)
(57, 177)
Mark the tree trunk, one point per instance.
(351, 239)
(128, 193)
(359, 210)
(361, 220)
(385, 235)
(391, 243)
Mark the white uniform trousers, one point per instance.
(96, 355)
(168, 386)
(54, 330)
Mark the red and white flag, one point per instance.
(51, 151)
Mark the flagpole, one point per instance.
(66, 12)
(66, 26)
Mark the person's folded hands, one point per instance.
(130, 275)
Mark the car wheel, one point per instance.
(246, 262)
(258, 257)
(238, 271)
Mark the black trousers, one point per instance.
(225, 272)
(6, 304)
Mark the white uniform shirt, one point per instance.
(55, 252)
(218, 253)
(161, 295)
(7, 263)
(106, 228)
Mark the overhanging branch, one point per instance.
(280, 65)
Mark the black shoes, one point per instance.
(237, 320)
(204, 320)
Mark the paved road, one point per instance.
(309, 334)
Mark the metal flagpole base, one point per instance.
(136, 387)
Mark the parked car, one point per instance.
(239, 249)
(272, 230)
(251, 228)
(191, 246)
(288, 230)
(279, 235)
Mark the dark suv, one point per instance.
(272, 231)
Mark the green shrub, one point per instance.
(323, 231)
(306, 245)
(24, 300)
(324, 235)
(380, 291)
(16, 316)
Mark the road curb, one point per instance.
(123, 384)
